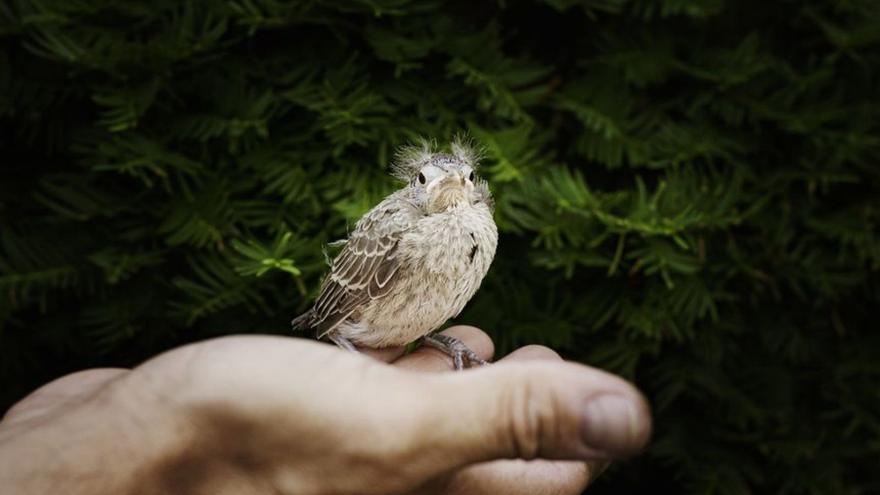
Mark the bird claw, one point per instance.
(456, 349)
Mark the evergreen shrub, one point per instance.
(687, 193)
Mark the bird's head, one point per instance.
(437, 181)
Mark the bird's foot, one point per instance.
(343, 342)
(456, 349)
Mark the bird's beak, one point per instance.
(448, 192)
(453, 177)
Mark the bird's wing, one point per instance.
(365, 268)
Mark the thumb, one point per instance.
(537, 409)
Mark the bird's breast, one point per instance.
(454, 243)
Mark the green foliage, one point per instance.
(687, 193)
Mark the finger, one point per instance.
(519, 477)
(532, 353)
(594, 467)
(385, 354)
(430, 359)
(61, 390)
(533, 409)
(535, 477)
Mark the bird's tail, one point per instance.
(303, 321)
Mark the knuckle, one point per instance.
(529, 417)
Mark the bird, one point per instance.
(414, 260)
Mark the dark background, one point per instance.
(688, 194)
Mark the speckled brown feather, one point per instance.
(366, 266)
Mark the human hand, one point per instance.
(280, 415)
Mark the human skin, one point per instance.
(276, 415)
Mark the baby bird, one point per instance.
(414, 260)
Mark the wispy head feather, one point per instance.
(411, 158)
(467, 150)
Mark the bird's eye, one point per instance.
(471, 176)
(422, 178)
